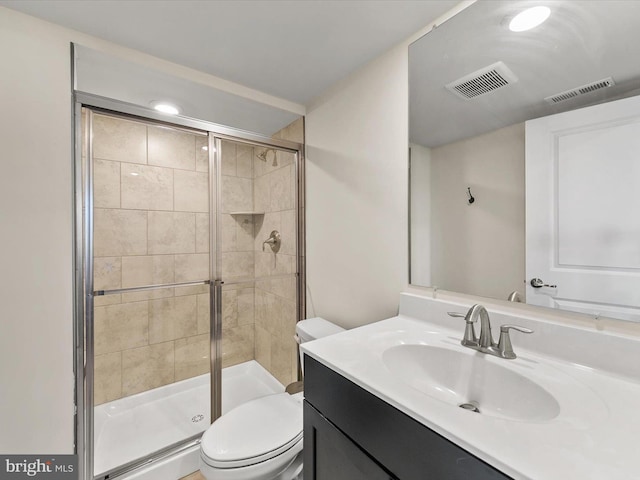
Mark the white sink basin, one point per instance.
(461, 377)
(541, 416)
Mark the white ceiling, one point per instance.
(290, 49)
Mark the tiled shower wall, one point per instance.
(151, 227)
(151, 206)
(270, 195)
(276, 314)
(237, 257)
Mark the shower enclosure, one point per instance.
(191, 278)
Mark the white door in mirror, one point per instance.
(583, 210)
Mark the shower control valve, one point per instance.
(273, 241)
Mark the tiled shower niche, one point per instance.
(151, 226)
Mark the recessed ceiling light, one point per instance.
(529, 18)
(165, 107)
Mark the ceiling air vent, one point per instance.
(576, 92)
(482, 81)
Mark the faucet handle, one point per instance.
(505, 328)
(505, 348)
(467, 316)
(469, 339)
(273, 241)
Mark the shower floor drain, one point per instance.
(471, 406)
(197, 418)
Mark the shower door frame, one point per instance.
(83, 258)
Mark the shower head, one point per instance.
(263, 156)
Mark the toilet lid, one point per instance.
(254, 431)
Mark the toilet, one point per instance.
(261, 439)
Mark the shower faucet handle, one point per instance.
(273, 241)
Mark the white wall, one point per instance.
(36, 243)
(357, 191)
(479, 249)
(36, 210)
(420, 211)
(356, 202)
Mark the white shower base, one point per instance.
(134, 427)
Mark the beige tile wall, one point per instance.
(152, 226)
(151, 199)
(237, 255)
(275, 303)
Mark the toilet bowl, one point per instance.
(261, 439)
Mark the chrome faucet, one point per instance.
(485, 344)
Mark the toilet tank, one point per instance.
(314, 328)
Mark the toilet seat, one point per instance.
(254, 432)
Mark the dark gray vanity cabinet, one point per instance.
(335, 456)
(350, 434)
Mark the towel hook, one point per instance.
(471, 199)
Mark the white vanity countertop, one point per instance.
(595, 435)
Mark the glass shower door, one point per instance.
(148, 334)
(257, 264)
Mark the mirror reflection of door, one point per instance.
(583, 226)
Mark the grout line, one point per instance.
(121, 374)
(173, 342)
(173, 180)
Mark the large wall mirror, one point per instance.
(525, 156)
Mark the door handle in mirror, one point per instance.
(538, 283)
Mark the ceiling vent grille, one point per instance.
(482, 81)
(576, 92)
